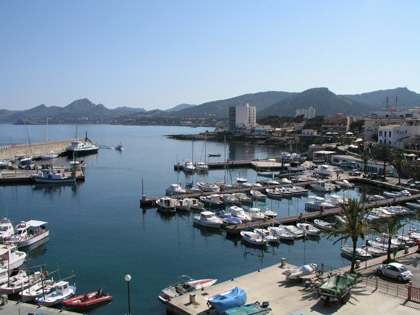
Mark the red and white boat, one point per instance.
(87, 301)
(185, 285)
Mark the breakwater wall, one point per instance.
(10, 152)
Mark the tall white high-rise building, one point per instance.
(306, 112)
(242, 117)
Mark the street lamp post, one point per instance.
(127, 278)
(367, 243)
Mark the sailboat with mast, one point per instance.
(202, 167)
(49, 155)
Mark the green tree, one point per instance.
(354, 212)
(384, 153)
(390, 227)
(398, 161)
(364, 155)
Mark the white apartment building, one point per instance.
(306, 112)
(242, 117)
(394, 135)
(390, 116)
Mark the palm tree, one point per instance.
(383, 152)
(398, 161)
(354, 212)
(390, 227)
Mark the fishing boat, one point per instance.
(62, 291)
(49, 176)
(29, 232)
(87, 301)
(6, 229)
(184, 285)
(37, 289)
(11, 257)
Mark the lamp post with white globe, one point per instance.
(127, 278)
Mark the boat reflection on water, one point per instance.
(51, 189)
(37, 249)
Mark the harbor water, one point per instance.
(99, 232)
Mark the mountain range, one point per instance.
(271, 103)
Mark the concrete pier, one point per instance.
(10, 152)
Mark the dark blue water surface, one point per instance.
(99, 231)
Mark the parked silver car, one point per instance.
(395, 270)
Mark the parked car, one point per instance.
(408, 182)
(395, 271)
(355, 172)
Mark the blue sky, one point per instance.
(158, 54)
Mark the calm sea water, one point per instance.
(99, 231)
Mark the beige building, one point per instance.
(339, 123)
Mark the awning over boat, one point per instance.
(36, 223)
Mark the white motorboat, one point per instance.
(344, 183)
(62, 290)
(300, 272)
(209, 187)
(119, 147)
(375, 198)
(299, 190)
(201, 167)
(49, 176)
(213, 201)
(30, 232)
(175, 189)
(360, 254)
(11, 257)
(166, 205)
(323, 170)
(189, 167)
(323, 186)
(207, 219)
(396, 194)
(6, 229)
(323, 225)
(80, 148)
(274, 193)
(253, 238)
(308, 228)
(185, 285)
(240, 213)
(258, 195)
(282, 233)
(295, 230)
(317, 203)
(255, 213)
(268, 235)
(243, 198)
(188, 204)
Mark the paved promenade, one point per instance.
(293, 298)
(14, 308)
